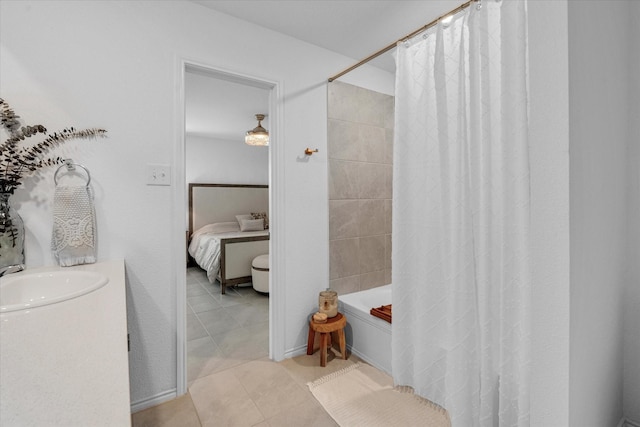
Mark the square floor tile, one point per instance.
(179, 412)
(195, 329)
(242, 344)
(221, 400)
(202, 302)
(217, 321)
(196, 290)
(250, 314)
(204, 358)
(308, 413)
(230, 298)
(270, 386)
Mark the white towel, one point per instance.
(74, 226)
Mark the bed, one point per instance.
(224, 236)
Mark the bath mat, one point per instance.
(361, 395)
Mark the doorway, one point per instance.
(253, 309)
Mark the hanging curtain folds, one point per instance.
(461, 268)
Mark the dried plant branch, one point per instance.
(18, 162)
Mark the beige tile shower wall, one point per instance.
(360, 146)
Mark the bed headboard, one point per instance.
(209, 203)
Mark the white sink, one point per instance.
(29, 290)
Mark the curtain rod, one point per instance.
(405, 38)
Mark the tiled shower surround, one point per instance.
(360, 149)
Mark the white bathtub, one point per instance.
(368, 337)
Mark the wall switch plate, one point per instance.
(158, 174)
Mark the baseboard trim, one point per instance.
(296, 351)
(153, 400)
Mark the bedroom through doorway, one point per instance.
(227, 320)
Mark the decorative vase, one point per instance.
(328, 303)
(11, 234)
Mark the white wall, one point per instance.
(549, 151)
(584, 149)
(114, 65)
(632, 294)
(225, 162)
(599, 105)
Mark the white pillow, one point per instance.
(240, 218)
(252, 224)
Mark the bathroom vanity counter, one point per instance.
(66, 364)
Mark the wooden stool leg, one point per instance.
(323, 349)
(343, 343)
(310, 340)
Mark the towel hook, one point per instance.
(71, 167)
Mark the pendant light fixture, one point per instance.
(257, 135)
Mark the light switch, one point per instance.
(158, 175)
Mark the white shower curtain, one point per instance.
(461, 268)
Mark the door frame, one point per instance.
(276, 212)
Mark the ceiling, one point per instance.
(353, 28)
(222, 109)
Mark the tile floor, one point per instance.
(232, 382)
(259, 393)
(223, 330)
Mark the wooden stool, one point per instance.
(333, 324)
